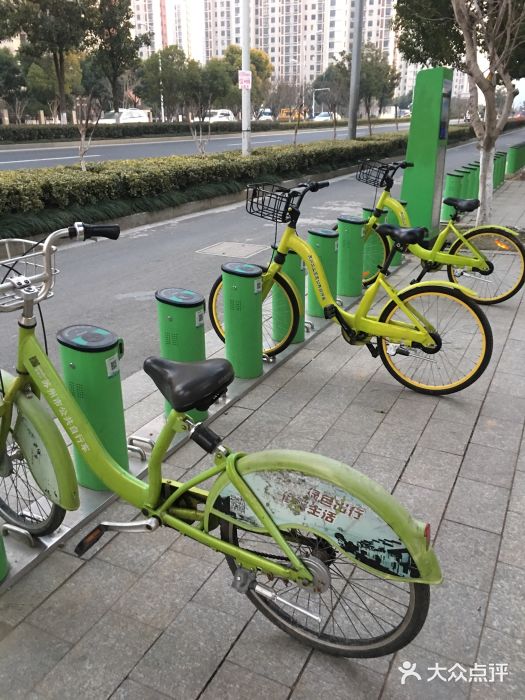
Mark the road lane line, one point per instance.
(37, 160)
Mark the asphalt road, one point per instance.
(33, 155)
(112, 283)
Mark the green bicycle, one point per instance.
(321, 550)
(487, 261)
(431, 337)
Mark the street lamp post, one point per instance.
(313, 98)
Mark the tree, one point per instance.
(12, 83)
(470, 33)
(336, 79)
(378, 80)
(51, 27)
(164, 72)
(116, 50)
(262, 70)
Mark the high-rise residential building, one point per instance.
(301, 37)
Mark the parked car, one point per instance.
(264, 115)
(326, 117)
(125, 116)
(219, 115)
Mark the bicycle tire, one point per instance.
(271, 345)
(462, 328)
(375, 253)
(22, 502)
(414, 597)
(507, 256)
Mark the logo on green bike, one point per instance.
(297, 500)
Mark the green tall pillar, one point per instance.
(426, 148)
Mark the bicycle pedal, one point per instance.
(89, 540)
(93, 537)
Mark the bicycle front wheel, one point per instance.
(506, 256)
(362, 615)
(463, 341)
(22, 502)
(276, 334)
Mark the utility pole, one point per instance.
(161, 91)
(243, 84)
(355, 69)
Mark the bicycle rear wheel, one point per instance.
(463, 341)
(276, 337)
(362, 615)
(506, 255)
(22, 501)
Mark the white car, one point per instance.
(219, 115)
(326, 117)
(125, 116)
(265, 115)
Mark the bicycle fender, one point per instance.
(43, 447)
(492, 227)
(441, 283)
(316, 493)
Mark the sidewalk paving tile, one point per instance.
(114, 645)
(232, 682)
(478, 504)
(506, 612)
(26, 656)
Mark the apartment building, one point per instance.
(301, 37)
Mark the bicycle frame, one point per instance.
(360, 320)
(36, 371)
(435, 254)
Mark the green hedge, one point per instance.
(30, 190)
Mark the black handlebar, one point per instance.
(111, 231)
(403, 164)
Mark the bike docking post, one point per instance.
(180, 314)
(293, 267)
(501, 160)
(464, 189)
(472, 185)
(242, 290)
(373, 253)
(4, 564)
(350, 256)
(452, 189)
(325, 243)
(90, 363)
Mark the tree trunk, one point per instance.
(60, 72)
(486, 169)
(114, 94)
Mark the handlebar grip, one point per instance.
(111, 231)
(322, 185)
(406, 164)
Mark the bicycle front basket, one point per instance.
(373, 172)
(270, 201)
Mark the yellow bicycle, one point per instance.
(488, 260)
(431, 337)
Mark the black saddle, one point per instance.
(404, 236)
(188, 385)
(462, 205)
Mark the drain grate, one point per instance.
(231, 249)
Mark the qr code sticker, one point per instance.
(112, 366)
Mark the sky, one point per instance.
(520, 99)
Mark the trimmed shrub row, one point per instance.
(33, 190)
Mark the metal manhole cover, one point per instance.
(231, 249)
